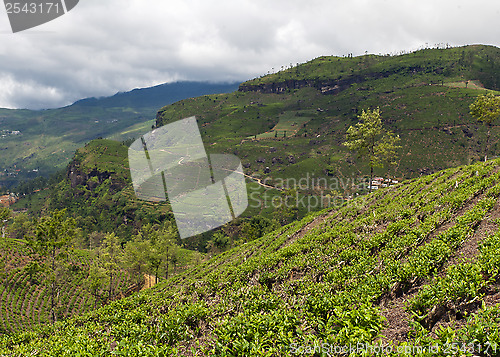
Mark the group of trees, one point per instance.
(110, 267)
(153, 251)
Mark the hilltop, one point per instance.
(415, 264)
(293, 122)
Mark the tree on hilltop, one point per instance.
(371, 141)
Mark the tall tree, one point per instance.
(371, 141)
(166, 248)
(110, 255)
(486, 109)
(50, 241)
(134, 259)
(97, 281)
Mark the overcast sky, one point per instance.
(105, 46)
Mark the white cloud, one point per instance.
(102, 47)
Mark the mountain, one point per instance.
(411, 267)
(34, 143)
(291, 124)
(415, 264)
(155, 97)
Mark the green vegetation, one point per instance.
(371, 141)
(53, 274)
(316, 102)
(334, 278)
(486, 109)
(409, 267)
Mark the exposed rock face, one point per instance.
(8, 200)
(91, 179)
(329, 86)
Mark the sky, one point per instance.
(105, 46)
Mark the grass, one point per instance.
(288, 124)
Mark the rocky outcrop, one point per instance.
(327, 86)
(91, 179)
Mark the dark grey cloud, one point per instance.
(102, 47)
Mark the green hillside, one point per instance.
(97, 191)
(412, 267)
(293, 122)
(25, 299)
(409, 266)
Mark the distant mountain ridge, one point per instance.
(45, 140)
(155, 97)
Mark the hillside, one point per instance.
(40, 142)
(412, 266)
(25, 299)
(97, 190)
(292, 123)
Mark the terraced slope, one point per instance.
(25, 302)
(412, 267)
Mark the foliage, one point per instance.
(371, 141)
(315, 282)
(486, 108)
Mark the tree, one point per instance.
(97, 281)
(486, 109)
(372, 141)
(110, 255)
(167, 248)
(151, 251)
(134, 261)
(20, 226)
(50, 241)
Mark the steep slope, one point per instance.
(413, 266)
(97, 190)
